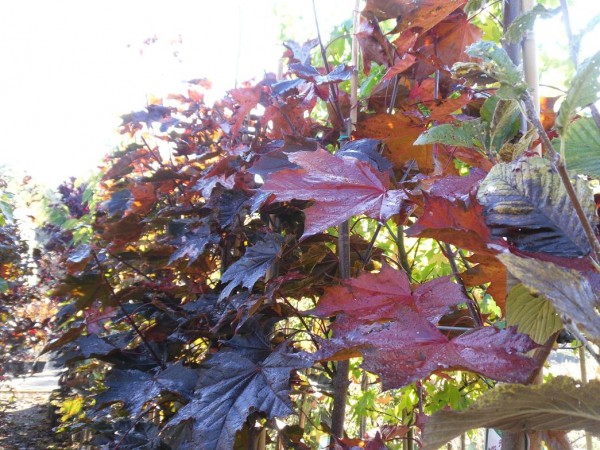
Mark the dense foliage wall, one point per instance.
(207, 298)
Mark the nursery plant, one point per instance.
(362, 253)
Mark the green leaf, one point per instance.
(499, 67)
(584, 91)
(526, 203)
(71, 407)
(3, 285)
(525, 22)
(6, 212)
(569, 290)
(532, 314)
(510, 152)
(502, 117)
(582, 147)
(473, 6)
(561, 404)
(469, 134)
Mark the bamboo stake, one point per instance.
(584, 380)
(530, 67)
(518, 440)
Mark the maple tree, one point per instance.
(206, 298)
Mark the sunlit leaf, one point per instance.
(467, 134)
(499, 67)
(526, 203)
(584, 90)
(561, 403)
(569, 290)
(423, 15)
(341, 188)
(503, 119)
(136, 388)
(532, 314)
(525, 22)
(582, 147)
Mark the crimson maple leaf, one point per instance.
(340, 187)
(379, 296)
(452, 214)
(393, 327)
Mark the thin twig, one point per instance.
(367, 256)
(570, 325)
(333, 97)
(473, 308)
(127, 316)
(135, 269)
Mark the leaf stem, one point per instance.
(402, 254)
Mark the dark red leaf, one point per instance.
(243, 378)
(446, 42)
(487, 269)
(374, 45)
(374, 297)
(400, 66)
(453, 215)
(246, 99)
(341, 188)
(367, 150)
(276, 158)
(423, 14)
(307, 72)
(254, 264)
(300, 53)
(136, 388)
(192, 244)
(290, 118)
(411, 348)
(453, 222)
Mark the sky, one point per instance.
(70, 68)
